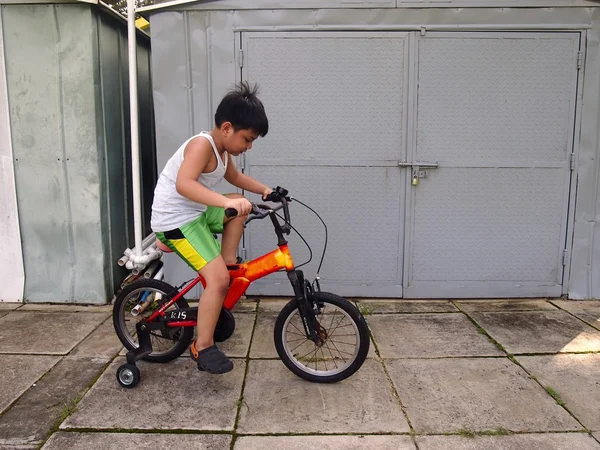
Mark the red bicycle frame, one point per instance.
(241, 277)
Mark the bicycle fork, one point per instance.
(305, 306)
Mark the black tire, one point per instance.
(128, 375)
(176, 340)
(337, 373)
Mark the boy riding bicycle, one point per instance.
(186, 211)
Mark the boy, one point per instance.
(186, 211)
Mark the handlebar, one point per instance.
(260, 211)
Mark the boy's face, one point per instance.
(237, 142)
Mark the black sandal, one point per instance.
(211, 359)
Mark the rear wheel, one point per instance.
(343, 339)
(148, 295)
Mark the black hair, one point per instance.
(243, 109)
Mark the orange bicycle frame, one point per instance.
(241, 277)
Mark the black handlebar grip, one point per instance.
(231, 212)
(272, 197)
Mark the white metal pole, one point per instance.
(133, 115)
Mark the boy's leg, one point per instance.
(195, 244)
(232, 234)
(217, 283)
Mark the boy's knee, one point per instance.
(219, 281)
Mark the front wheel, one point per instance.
(343, 339)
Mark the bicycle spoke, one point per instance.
(299, 330)
(292, 350)
(338, 324)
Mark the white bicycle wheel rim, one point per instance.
(309, 370)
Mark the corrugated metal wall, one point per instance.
(114, 140)
(196, 47)
(67, 86)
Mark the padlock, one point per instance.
(415, 179)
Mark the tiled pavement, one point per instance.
(490, 374)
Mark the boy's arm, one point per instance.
(244, 181)
(196, 156)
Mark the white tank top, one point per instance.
(171, 210)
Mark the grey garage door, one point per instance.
(337, 106)
(495, 111)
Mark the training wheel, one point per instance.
(128, 375)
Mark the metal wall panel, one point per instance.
(585, 260)
(51, 97)
(67, 114)
(496, 110)
(114, 147)
(585, 257)
(277, 5)
(336, 103)
(12, 273)
(193, 66)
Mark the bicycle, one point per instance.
(166, 316)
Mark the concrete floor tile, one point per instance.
(539, 331)
(576, 379)
(245, 306)
(237, 345)
(32, 417)
(263, 345)
(37, 332)
(103, 342)
(429, 336)
(273, 304)
(9, 306)
(131, 441)
(550, 441)
(404, 306)
(586, 310)
(505, 305)
(277, 401)
(169, 396)
(447, 395)
(68, 307)
(324, 442)
(19, 372)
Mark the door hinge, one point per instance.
(565, 257)
(579, 59)
(572, 161)
(241, 58)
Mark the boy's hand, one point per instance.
(266, 192)
(242, 205)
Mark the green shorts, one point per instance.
(194, 242)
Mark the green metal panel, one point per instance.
(68, 101)
(115, 140)
(51, 101)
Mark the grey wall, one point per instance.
(67, 106)
(194, 59)
(585, 265)
(186, 92)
